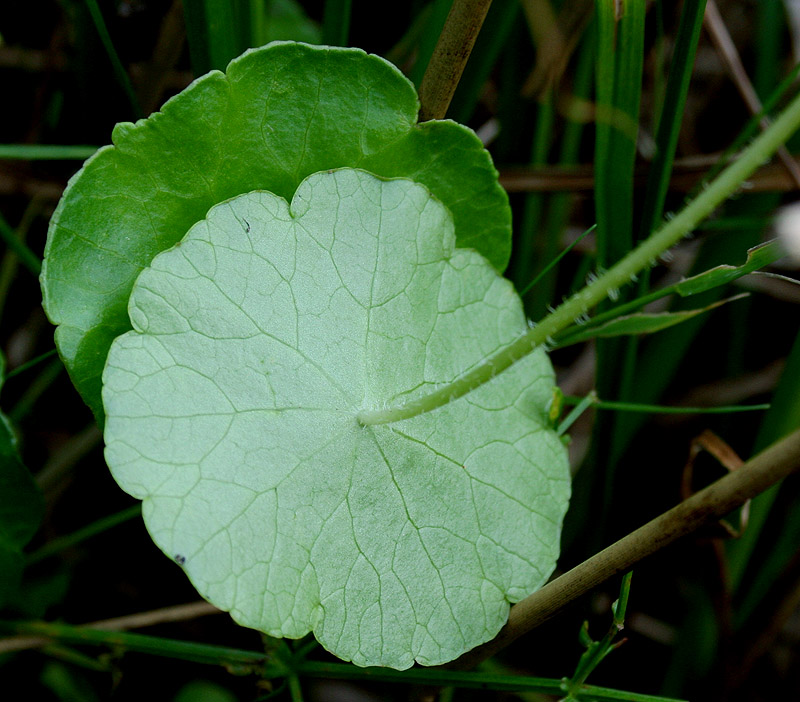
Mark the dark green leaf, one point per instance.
(278, 115)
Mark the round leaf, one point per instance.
(277, 115)
(232, 411)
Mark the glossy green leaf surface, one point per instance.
(232, 413)
(279, 114)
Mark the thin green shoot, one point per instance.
(671, 114)
(475, 680)
(35, 390)
(580, 407)
(29, 259)
(276, 693)
(9, 264)
(336, 22)
(594, 401)
(556, 261)
(758, 257)
(69, 655)
(241, 660)
(116, 64)
(596, 651)
(32, 363)
(272, 667)
(100, 526)
(752, 126)
(295, 691)
(640, 258)
(45, 152)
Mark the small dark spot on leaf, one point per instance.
(179, 559)
(247, 227)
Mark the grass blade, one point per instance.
(670, 119)
(636, 324)
(45, 152)
(216, 31)
(29, 259)
(119, 70)
(336, 22)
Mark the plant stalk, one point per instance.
(450, 57)
(622, 273)
(169, 648)
(731, 491)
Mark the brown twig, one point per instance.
(450, 56)
(708, 505)
(686, 176)
(721, 38)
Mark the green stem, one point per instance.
(169, 648)
(30, 364)
(116, 64)
(478, 680)
(295, 690)
(76, 537)
(45, 152)
(713, 502)
(15, 244)
(641, 258)
(594, 401)
(336, 22)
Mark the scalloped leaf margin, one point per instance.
(232, 412)
(278, 114)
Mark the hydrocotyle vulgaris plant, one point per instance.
(336, 420)
(277, 115)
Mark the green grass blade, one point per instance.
(119, 70)
(594, 401)
(45, 152)
(560, 204)
(619, 77)
(242, 661)
(228, 34)
(336, 22)
(783, 417)
(619, 64)
(700, 651)
(532, 247)
(670, 119)
(661, 357)
(194, 14)
(555, 261)
(635, 324)
(29, 259)
(477, 680)
(98, 527)
(30, 364)
(216, 31)
(758, 257)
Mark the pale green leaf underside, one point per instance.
(231, 411)
(277, 115)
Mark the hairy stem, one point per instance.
(622, 273)
(767, 468)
